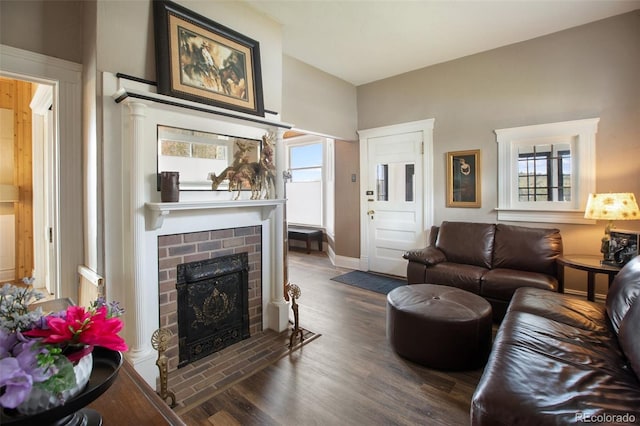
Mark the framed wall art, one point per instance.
(463, 179)
(200, 60)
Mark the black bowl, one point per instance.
(106, 364)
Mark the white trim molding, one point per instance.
(426, 128)
(66, 79)
(581, 136)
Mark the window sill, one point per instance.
(545, 216)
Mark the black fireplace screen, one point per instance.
(213, 300)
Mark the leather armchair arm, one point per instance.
(428, 256)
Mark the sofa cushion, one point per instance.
(546, 372)
(466, 277)
(624, 291)
(571, 310)
(629, 337)
(502, 283)
(428, 256)
(527, 249)
(467, 242)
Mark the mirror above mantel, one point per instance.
(199, 156)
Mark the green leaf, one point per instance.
(63, 380)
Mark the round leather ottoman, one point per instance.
(439, 326)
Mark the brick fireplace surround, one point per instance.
(190, 247)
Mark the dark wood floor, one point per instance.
(348, 376)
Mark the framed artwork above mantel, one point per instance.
(200, 60)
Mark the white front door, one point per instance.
(394, 200)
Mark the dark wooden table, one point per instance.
(591, 264)
(131, 401)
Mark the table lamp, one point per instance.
(612, 206)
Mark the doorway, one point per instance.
(397, 188)
(60, 172)
(28, 147)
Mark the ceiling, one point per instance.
(361, 41)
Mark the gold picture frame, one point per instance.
(463, 179)
(200, 60)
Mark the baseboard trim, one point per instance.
(346, 262)
(600, 298)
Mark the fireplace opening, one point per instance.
(213, 305)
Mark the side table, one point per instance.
(590, 264)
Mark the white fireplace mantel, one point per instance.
(136, 217)
(158, 211)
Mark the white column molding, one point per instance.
(279, 315)
(280, 162)
(134, 275)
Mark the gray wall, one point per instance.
(588, 71)
(125, 40)
(52, 27)
(347, 200)
(117, 36)
(584, 72)
(319, 102)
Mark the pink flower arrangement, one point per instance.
(39, 350)
(78, 326)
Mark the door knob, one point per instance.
(370, 212)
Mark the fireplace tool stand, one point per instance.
(159, 341)
(294, 292)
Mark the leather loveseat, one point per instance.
(558, 359)
(487, 259)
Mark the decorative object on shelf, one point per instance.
(46, 359)
(202, 61)
(294, 293)
(463, 179)
(159, 342)
(258, 176)
(198, 155)
(610, 207)
(268, 166)
(169, 187)
(623, 246)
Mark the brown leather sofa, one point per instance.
(487, 259)
(558, 359)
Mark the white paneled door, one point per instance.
(394, 200)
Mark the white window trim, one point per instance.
(327, 217)
(298, 141)
(582, 134)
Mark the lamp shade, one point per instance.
(8, 193)
(615, 206)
